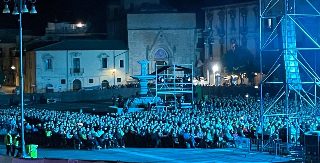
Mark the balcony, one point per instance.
(76, 71)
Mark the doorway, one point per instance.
(76, 85)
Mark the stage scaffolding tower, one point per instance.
(174, 81)
(288, 36)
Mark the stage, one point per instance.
(163, 155)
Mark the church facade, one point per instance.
(161, 38)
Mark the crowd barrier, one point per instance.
(8, 159)
(307, 153)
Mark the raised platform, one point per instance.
(157, 155)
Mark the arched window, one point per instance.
(160, 54)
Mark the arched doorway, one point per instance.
(76, 85)
(49, 88)
(105, 84)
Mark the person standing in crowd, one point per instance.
(8, 143)
(15, 145)
(48, 133)
(113, 100)
(119, 138)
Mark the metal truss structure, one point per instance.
(173, 82)
(288, 36)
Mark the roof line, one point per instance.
(163, 28)
(86, 50)
(229, 5)
(49, 45)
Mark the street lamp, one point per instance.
(13, 67)
(215, 68)
(79, 25)
(114, 76)
(247, 96)
(114, 65)
(20, 7)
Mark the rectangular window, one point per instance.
(121, 64)
(76, 62)
(104, 62)
(118, 79)
(63, 81)
(90, 80)
(49, 64)
(76, 65)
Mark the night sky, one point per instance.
(60, 10)
(87, 10)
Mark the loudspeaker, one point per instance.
(283, 134)
(312, 144)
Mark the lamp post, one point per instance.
(215, 68)
(114, 64)
(20, 7)
(114, 76)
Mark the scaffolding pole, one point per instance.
(288, 13)
(176, 80)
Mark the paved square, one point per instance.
(163, 155)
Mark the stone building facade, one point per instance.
(73, 65)
(161, 38)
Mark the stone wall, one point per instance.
(161, 20)
(173, 35)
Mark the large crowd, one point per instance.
(129, 85)
(211, 123)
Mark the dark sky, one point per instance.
(86, 10)
(61, 10)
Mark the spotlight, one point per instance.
(33, 10)
(24, 9)
(79, 25)
(15, 11)
(215, 68)
(6, 9)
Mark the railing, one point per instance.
(76, 70)
(272, 146)
(307, 153)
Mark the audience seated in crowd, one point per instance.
(212, 123)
